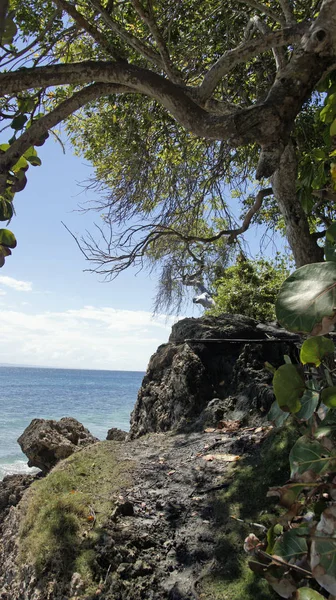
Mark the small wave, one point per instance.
(19, 467)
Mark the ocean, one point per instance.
(98, 399)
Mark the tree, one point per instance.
(193, 93)
(250, 288)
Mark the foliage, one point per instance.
(171, 102)
(299, 557)
(250, 288)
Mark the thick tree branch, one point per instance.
(278, 53)
(148, 19)
(9, 158)
(246, 51)
(144, 50)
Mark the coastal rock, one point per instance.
(45, 442)
(12, 488)
(115, 434)
(211, 368)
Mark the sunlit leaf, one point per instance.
(7, 238)
(288, 385)
(309, 402)
(308, 455)
(307, 299)
(328, 397)
(316, 348)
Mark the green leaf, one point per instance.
(26, 105)
(309, 402)
(305, 593)
(291, 544)
(4, 147)
(333, 128)
(288, 385)
(308, 455)
(21, 164)
(7, 238)
(306, 302)
(276, 415)
(19, 122)
(6, 210)
(10, 31)
(314, 349)
(328, 397)
(35, 161)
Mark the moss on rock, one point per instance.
(64, 513)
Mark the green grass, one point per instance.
(246, 499)
(57, 532)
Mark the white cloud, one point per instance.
(87, 338)
(16, 284)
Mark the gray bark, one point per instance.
(303, 244)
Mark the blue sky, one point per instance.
(52, 312)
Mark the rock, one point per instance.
(186, 375)
(12, 488)
(115, 434)
(45, 442)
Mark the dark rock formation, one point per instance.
(115, 434)
(12, 488)
(208, 371)
(45, 442)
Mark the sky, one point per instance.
(53, 313)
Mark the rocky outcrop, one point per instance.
(12, 488)
(143, 520)
(211, 368)
(45, 442)
(115, 434)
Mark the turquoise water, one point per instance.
(98, 399)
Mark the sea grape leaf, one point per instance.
(323, 551)
(288, 386)
(19, 122)
(305, 593)
(330, 243)
(276, 415)
(292, 544)
(34, 160)
(7, 238)
(6, 210)
(283, 586)
(308, 455)
(328, 397)
(309, 402)
(306, 302)
(314, 349)
(21, 164)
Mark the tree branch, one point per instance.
(287, 11)
(90, 29)
(38, 128)
(149, 20)
(144, 50)
(264, 10)
(246, 51)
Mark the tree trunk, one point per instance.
(303, 245)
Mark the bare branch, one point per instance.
(149, 20)
(144, 50)
(246, 51)
(90, 29)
